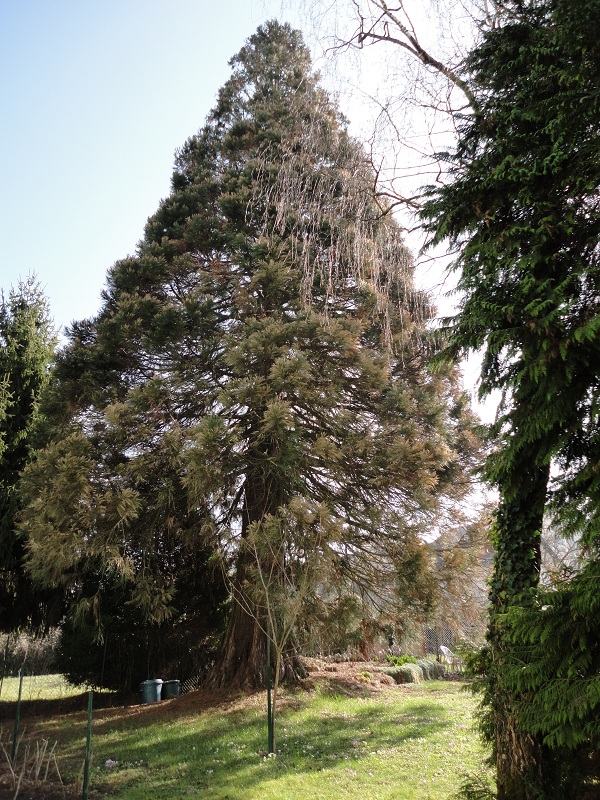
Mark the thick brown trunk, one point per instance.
(242, 660)
(520, 761)
(241, 663)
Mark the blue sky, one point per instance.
(95, 96)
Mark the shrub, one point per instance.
(431, 669)
(398, 661)
(35, 655)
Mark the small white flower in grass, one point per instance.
(109, 763)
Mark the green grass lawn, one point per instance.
(411, 742)
(38, 687)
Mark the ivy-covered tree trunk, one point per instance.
(521, 472)
(519, 756)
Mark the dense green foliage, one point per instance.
(107, 641)
(522, 207)
(551, 671)
(26, 349)
(255, 386)
(556, 669)
(398, 661)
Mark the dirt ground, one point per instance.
(347, 677)
(29, 790)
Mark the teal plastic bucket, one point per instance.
(170, 689)
(151, 690)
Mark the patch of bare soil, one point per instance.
(32, 790)
(347, 677)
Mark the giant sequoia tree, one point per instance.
(257, 370)
(522, 208)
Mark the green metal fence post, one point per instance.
(270, 747)
(13, 754)
(88, 748)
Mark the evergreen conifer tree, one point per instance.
(26, 348)
(266, 349)
(522, 208)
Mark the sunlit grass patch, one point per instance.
(39, 687)
(404, 743)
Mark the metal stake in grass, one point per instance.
(13, 753)
(88, 748)
(270, 744)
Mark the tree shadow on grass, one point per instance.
(213, 744)
(224, 754)
(42, 707)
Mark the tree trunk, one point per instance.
(519, 761)
(519, 756)
(242, 660)
(241, 663)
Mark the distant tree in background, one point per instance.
(27, 342)
(258, 369)
(463, 563)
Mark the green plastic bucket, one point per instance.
(170, 689)
(151, 690)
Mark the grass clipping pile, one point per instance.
(346, 677)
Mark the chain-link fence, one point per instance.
(28, 654)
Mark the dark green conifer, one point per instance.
(522, 208)
(27, 343)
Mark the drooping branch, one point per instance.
(407, 39)
(304, 198)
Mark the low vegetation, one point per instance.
(347, 733)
